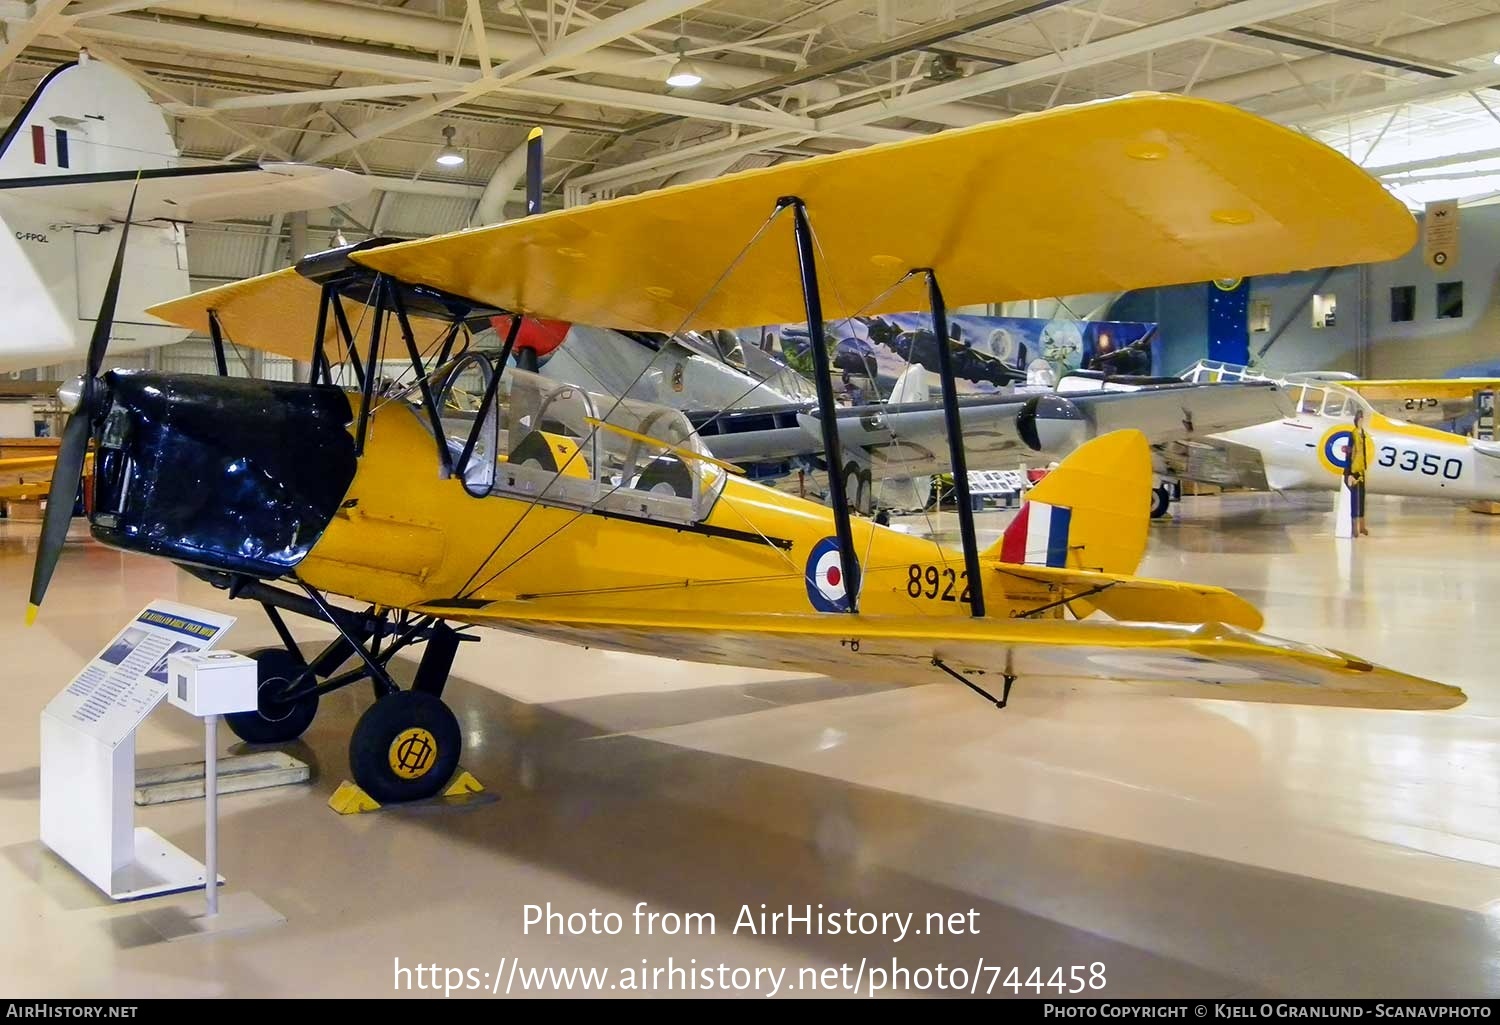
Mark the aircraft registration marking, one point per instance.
(1428, 464)
(937, 583)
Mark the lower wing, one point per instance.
(1208, 661)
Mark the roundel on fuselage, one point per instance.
(1333, 450)
(826, 587)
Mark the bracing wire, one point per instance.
(469, 586)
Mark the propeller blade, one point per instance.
(106, 322)
(66, 476)
(534, 172)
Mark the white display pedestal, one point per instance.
(88, 817)
(88, 756)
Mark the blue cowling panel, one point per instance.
(226, 473)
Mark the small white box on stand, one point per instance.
(205, 683)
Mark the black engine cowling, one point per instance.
(1050, 423)
(231, 474)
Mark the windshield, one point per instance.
(560, 444)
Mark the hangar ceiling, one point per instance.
(1408, 87)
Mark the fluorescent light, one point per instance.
(449, 155)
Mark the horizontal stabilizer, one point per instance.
(1139, 599)
(207, 193)
(1207, 661)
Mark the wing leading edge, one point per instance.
(1207, 661)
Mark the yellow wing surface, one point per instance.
(1208, 661)
(1431, 388)
(1128, 193)
(278, 312)
(29, 476)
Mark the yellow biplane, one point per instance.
(551, 510)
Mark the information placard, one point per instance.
(88, 754)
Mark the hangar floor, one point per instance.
(1195, 848)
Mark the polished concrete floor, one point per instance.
(1193, 848)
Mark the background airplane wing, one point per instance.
(1209, 661)
(1423, 401)
(909, 439)
(1210, 460)
(207, 193)
(1170, 412)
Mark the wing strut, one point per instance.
(217, 334)
(955, 432)
(827, 413)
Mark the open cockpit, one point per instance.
(525, 436)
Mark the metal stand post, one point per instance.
(211, 813)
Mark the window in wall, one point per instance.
(1260, 316)
(1324, 310)
(1403, 304)
(1450, 299)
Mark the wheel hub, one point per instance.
(413, 753)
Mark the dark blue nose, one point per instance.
(224, 473)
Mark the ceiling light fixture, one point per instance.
(449, 156)
(685, 72)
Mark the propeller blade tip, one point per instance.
(31, 611)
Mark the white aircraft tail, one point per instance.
(86, 118)
(87, 143)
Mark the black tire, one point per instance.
(1161, 501)
(274, 722)
(405, 747)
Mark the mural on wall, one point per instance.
(870, 353)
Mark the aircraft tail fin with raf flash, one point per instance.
(1092, 512)
(89, 145)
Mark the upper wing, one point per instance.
(1010, 210)
(278, 312)
(1423, 401)
(1189, 189)
(208, 193)
(1435, 388)
(1210, 661)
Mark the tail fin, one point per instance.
(912, 385)
(86, 118)
(1092, 512)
